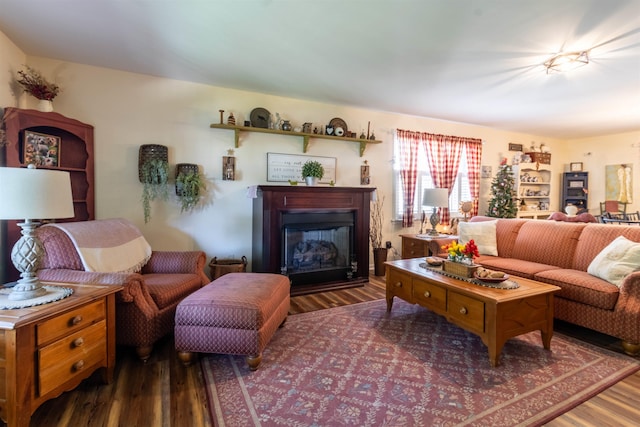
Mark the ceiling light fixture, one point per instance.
(566, 61)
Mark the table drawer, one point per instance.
(429, 295)
(399, 284)
(466, 312)
(70, 356)
(71, 321)
(413, 248)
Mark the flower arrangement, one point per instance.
(37, 86)
(461, 253)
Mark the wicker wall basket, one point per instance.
(459, 269)
(151, 152)
(186, 169)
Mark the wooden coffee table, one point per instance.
(495, 315)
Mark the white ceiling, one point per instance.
(471, 61)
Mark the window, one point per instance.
(460, 192)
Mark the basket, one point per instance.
(459, 269)
(220, 267)
(544, 158)
(149, 152)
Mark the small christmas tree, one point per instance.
(503, 204)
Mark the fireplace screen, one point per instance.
(317, 246)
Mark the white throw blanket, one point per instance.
(108, 245)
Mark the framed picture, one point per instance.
(228, 168)
(576, 184)
(515, 147)
(41, 149)
(575, 167)
(288, 167)
(364, 175)
(486, 171)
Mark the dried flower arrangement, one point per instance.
(377, 218)
(37, 86)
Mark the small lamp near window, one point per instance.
(32, 194)
(437, 198)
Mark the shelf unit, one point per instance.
(76, 157)
(533, 185)
(573, 186)
(305, 136)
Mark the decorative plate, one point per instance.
(339, 123)
(491, 279)
(260, 118)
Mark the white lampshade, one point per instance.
(435, 197)
(29, 193)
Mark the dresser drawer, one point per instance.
(466, 312)
(72, 355)
(399, 284)
(413, 248)
(66, 323)
(429, 295)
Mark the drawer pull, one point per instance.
(463, 310)
(398, 284)
(78, 365)
(78, 342)
(427, 294)
(75, 320)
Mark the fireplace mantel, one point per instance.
(273, 201)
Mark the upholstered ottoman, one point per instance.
(238, 313)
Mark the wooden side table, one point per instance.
(48, 349)
(420, 245)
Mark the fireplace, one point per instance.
(317, 236)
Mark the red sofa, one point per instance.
(559, 253)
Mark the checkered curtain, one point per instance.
(443, 156)
(474, 155)
(409, 142)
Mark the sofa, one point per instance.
(152, 287)
(599, 282)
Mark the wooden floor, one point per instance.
(165, 393)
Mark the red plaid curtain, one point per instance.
(474, 155)
(408, 143)
(443, 156)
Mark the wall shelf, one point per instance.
(305, 136)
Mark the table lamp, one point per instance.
(437, 198)
(32, 194)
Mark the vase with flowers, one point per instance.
(37, 86)
(460, 258)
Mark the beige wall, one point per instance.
(129, 110)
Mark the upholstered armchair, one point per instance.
(152, 287)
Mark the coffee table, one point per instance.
(495, 315)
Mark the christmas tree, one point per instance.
(503, 203)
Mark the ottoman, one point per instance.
(238, 313)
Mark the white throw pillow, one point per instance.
(616, 261)
(483, 233)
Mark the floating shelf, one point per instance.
(305, 136)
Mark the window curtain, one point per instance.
(443, 156)
(409, 143)
(474, 155)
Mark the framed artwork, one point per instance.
(228, 168)
(618, 182)
(515, 147)
(288, 167)
(486, 172)
(41, 149)
(575, 167)
(364, 175)
(576, 184)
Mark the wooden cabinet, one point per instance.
(48, 349)
(533, 187)
(574, 185)
(419, 245)
(305, 136)
(75, 156)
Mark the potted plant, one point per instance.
(154, 175)
(375, 235)
(312, 172)
(189, 184)
(37, 86)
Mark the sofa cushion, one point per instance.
(548, 242)
(168, 289)
(513, 266)
(617, 260)
(596, 237)
(506, 233)
(482, 233)
(581, 287)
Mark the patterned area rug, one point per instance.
(358, 366)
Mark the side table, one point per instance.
(48, 349)
(422, 245)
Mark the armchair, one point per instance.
(145, 307)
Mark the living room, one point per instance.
(129, 109)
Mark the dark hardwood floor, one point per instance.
(165, 393)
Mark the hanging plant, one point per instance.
(189, 186)
(154, 174)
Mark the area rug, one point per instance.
(359, 366)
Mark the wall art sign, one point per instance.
(41, 149)
(515, 147)
(288, 167)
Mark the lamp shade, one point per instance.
(435, 197)
(29, 193)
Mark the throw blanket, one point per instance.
(108, 245)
